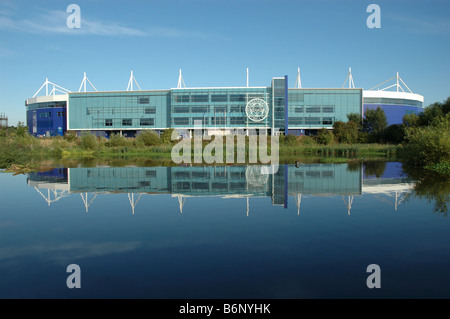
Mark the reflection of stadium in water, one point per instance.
(224, 181)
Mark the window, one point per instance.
(46, 114)
(181, 120)
(237, 97)
(218, 120)
(203, 119)
(182, 175)
(199, 98)
(299, 110)
(150, 110)
(313, 109)
(237, 109)
(312, 121)
(219, 98)
(108, 122)
(327, 121)
(220, 109)
(204, 175)
(143, 100)
(181, 98)
(88, 112)
(296, 120)
(181, 109)
(200, 109)
(144, 184)
(60, 114)
(279, 101)
(150, 173)
(147, 122)
(328, 109)
(237, 120)
(127, 122)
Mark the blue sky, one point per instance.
(213, 42)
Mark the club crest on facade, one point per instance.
(257, 110)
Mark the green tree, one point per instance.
(21, 130)
(394, 134)
(428, 145)
(410, 119)
(355, 118)
(324, 137)
(166, 136)
(346, 132)
(117, 140)
(375, 121)
(88, 141)
(148, 138)
(430, 113)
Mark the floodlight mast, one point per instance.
(181, 83)
(83, 83)
(247, 79)
(398, 84)
(130, 83)
(56, 88)
(298, 80)
(351, 84)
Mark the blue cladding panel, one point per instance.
(47, 121)
(394, 113)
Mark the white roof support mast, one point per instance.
(83, 84)
(398, 84)
(56, 88)
(181, 83)
(298, 80)
(130, 83)
(351, 84)
(247, 78)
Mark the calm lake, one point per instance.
(309, 231)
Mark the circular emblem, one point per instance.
(257, 110)
(254, 177)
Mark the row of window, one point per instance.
(49, 114)
(129, 122)
(314, 109)
(204, 98)
(296, 121)
(119, 110)
(207, 109)
(218, 120)
(203, 109)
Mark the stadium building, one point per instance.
(220, 110)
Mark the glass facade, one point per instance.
(118, 110)
(321, 108)
(215, 108)
(311, 179)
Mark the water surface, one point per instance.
(222, 232)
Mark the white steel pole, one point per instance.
(247, 77)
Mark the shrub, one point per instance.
(394, 134)
(288, 140)
(88, 141)
(70, 136)
(117, 140)
(346, 132)
(428, 145)
(166, 136)
(148, 138)
(375, 121)
(324, 137)
(307, 140)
